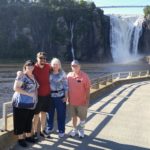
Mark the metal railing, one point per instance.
(97, 83)
(103, 81)
(123, 6)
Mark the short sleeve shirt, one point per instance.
(29, 85)
(42, 77)
(78, 88)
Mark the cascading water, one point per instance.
(71, 40)
(136, 34)
(124, 37)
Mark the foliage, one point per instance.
(27, 27)
(147, 11)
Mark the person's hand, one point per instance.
(65, 99)
(86, 103)
(32, 94)
(19, 73)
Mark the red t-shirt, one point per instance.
(42, 77)
(78, 88)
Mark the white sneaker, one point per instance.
(57, 131)
(61, 135)
(81, 133)
(73, 132)
(49, 131)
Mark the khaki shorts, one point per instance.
(80, 111)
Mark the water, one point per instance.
(124, 37)
(136, 34)
(71, 40)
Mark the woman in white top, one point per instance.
(59, 95)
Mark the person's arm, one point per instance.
(17, 88)
(88, 83)
(66, 96)
(37, 86)
(65, 85)
(88, 96)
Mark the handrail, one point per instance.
(97, 83)
(113, 77)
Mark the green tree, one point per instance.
(83, 3)
(147, 11)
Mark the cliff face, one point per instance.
(25, 30)
(144, 41)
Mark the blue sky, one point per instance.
(122, 2)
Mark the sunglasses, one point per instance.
(42, 58)
(31, 64)
(74, 66)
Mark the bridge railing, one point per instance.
(100, 82)
(123, 6)
(97, 83)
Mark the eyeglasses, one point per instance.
(30, 67)
(42, 58)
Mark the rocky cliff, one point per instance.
(144, 41)
(27, 29)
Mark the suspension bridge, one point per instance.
(123, 6)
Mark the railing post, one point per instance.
(112, 75)
(119, 75)
(139, 74)
(4, 117)
(97, 84)
(129, 75)
(147, 74)
(109, 78)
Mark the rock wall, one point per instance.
(144, 41)
(25, 30)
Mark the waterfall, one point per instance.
(71, 40)
(124, 37)
(136, 34)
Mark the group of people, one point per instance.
(52, 89)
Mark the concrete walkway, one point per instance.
(117, 121)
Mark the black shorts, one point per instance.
(43, 104)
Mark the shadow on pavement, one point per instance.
(91, 142)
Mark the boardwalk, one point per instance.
(119, 120)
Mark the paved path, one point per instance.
(117, 121)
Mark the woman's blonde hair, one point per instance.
(56, 61)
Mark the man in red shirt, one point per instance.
(79, 92)
(41, 73)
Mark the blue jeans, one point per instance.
(60, 106)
